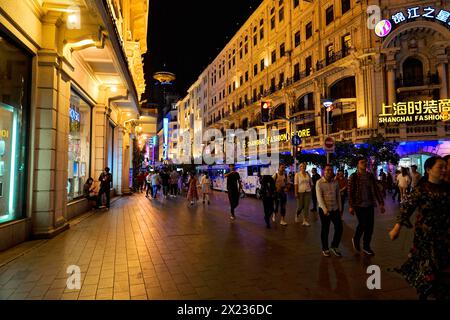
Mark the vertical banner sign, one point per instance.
(166, 138)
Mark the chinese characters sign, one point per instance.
(384, 27)
(415, 111)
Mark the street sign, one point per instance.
(329, 145)
(296, 140)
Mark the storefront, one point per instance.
(80, 119)
(15, 77)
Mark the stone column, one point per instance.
(126, 163)
(51, 137)
(99, 133)
(443, 79)
(391, 84)
(118, 157)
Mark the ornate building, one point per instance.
(72, 80)
(294, 54)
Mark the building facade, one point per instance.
(295, 54)
(74, 78)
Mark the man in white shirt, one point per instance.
(330, 207)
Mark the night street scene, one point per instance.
(231, 150)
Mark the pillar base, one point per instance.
(51, 233)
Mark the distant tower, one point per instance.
(165, 81)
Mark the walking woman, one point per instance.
(205, 183)
(302, 187)
(428, 266)
(404, 181)
(192, 189)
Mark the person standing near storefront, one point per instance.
(363, 197)
(165, 181)
(315, 177)
(383, 180)
(105, 188)
(174, 183)
(330, 210)
(234, 187)
(148, 182)
(302, 189)
(428, 266)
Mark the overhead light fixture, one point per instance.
(113, 89)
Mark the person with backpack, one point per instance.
(267, 195)
(281, 188)
(105, 188)
(363, 197)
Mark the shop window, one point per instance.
(79, 146)
(15, 66)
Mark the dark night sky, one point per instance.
(187, 35)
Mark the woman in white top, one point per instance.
(404, 181)
(205, 183)
(302, 186)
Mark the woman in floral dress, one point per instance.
(428, 266)
(192, 189)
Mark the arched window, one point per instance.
(305, 103)
(344, 88)
(412, 72)
(245, 124)
(280, 111)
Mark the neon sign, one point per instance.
(412, 111)
(166, 138)
(74, 115)
(4, 133)
(426, 12)
(280, 138)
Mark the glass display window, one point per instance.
(79, 146)
(15, 67)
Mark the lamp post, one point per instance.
(328, 105)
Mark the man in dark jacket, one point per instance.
(315, 177)
(363, 197)
(105, 187)
(267, 196)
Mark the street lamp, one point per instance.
(328, 105)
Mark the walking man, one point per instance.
(234, 187)
(363, 197)
(330, 208)
(267, 194)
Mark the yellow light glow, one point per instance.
(72, 18)
(113, 89)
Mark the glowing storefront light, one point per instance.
(383, 28)
(166, 138)
(412, 111)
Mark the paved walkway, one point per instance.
(165, 250)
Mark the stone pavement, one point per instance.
(162, 249)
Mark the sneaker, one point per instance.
(326, 253)
(296, 218)
(305, 224)
(336, 252)
(283, 223)
(368, 251)
(356, 245)
(232, 217)
(273, 217)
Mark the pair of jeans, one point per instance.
(174, 189)
(365, 216)
(149, 186)
(334, 217)
(280, 202)
(268, 209)
(108, 197)
(155, 191)
(314, 199)
(303, 202)
(165, 190)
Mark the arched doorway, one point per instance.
(304, 103)
(280, 111)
